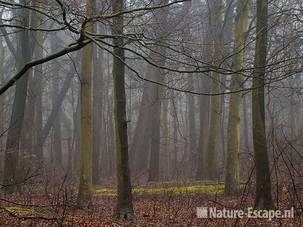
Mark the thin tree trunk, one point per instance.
(166, 137)
(141, 138)
(38, 72)
(192, 128)
(57, 124)
(28, 124)
(15, 126)
(160, 29)
(76, 138)
(2, 101)
(204, 104)
(124, 207)
(175, 140)
(204, 110)
(55, 110)
(106, 155)
(263, 199)
(154, 165)
(245, 123)
(212, 157)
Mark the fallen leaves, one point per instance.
(160, 206)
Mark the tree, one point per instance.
(15, 126)
(2, 99)
(85, 185)
(191, 124)
(166, 154)
(141, 138)
(97, 113)
(263, 198)
(38, 71)
(159, 29)
(232, 181)
(56, 132)
(124, 207)
(212, 156)
(204, 104)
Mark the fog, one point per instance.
(99, 95)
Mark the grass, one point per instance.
(210, 189)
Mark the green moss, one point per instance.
(106, 191)
(210, 189)
(20, 210)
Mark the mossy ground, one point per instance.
(20, 211)
(211, 189)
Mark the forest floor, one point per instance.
(153, 205)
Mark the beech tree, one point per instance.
(263, 199)
(124, 207)
(16, 121)
(85, 186)
(232, 179)
(159, 28)
(92, 78)
(212, 155)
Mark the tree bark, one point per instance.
(204, 109)
(10, 180)
(192, 127)
(141, 138)
(154, 165)
(159, 27)
(57, 123)
(55, 110)
(38, 72)
(85, 186)
(124, 207)
(97, 114)
(204, 104)
(212, 157)
(232, 181)
(166, 162)
(263, 198)
(2, 101)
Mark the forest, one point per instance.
(151, 113)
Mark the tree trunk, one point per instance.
(175, 152)
(2, 101)
(97, 114)
(124, 207)
(38, 72)
(212, 157)
(141, 138)
(192, 127)
(159, 27)
(166, 163)
(85, 185)
(232, 181)
(154, 165)
(15, 126)
(245, 123)
(28, 125)
(55, 110)
(57, 124)
(204, 112)
(204, 104)
(263, 199)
